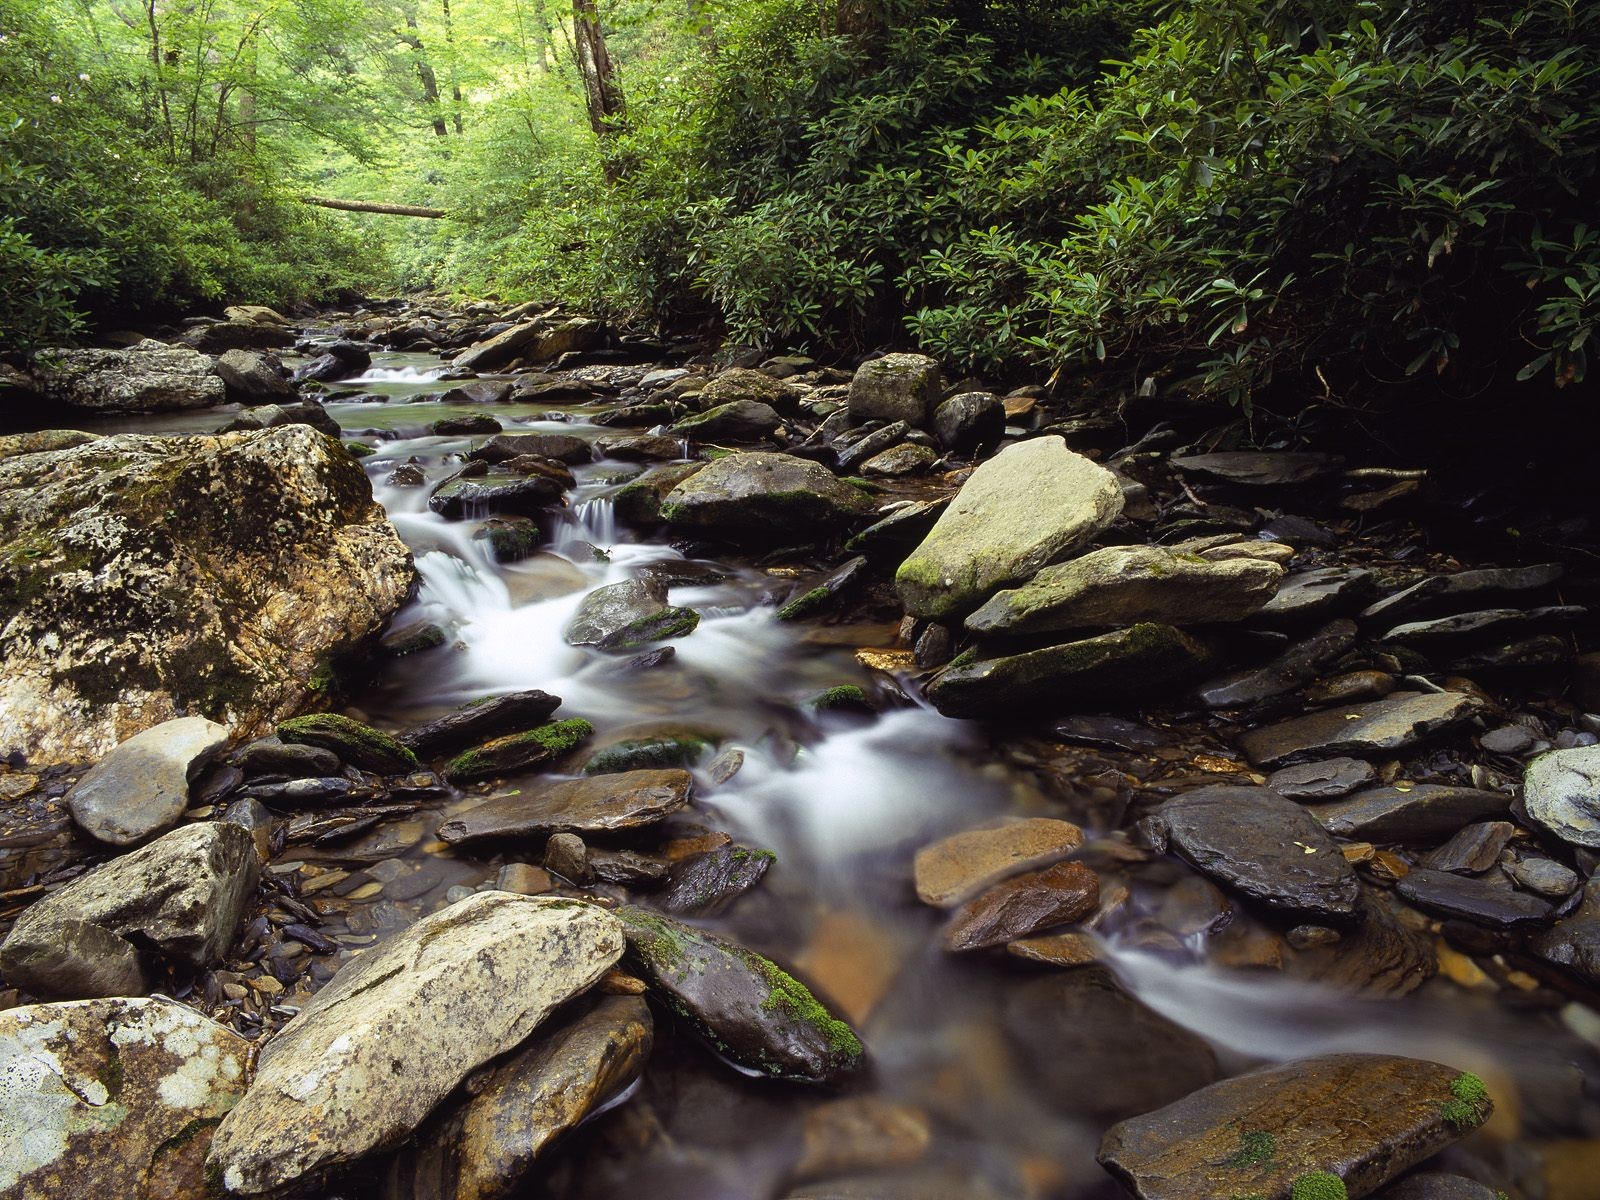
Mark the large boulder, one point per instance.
(761, 493)
(1561, 794)
(398, 1028)
(113, 1097)
(1124, 584)
(150, 377)
(896, 387)
(1032, 504)
(144, 578)
(182, 896)
(254, 378)
(628, 615)
(142, 787)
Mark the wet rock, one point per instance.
(510, 539)
(1260, 468)
(1086, 674)
(398, 1028)
(358, 744)
(319, 792)
(971, 423)
(254, 378)
(483, 1145)
(1543, 652)
(958, 867)
(1350, 687)
(870, 444)
(524, 879)
(1022, 905)
(1409, 812)
(628, 868)
(1386, 725)
(150, 377)
(1472, 851)
(181, 896)
(1056, 949)
(94, 647)
(1294, 668)
(899, 532)
(142, 786)
(628, 615)
(500, 349)
(1477, 625)
(1483, 901)
(594, 804)
(332, 367)
(271, 756)
(839, 583)
(1308, 595)
(1574, 941)
(558, 447)
(412, 638)
(764, 494)
(471, 423)
(1254, 842)
(1561, 794)
(493, 716)
(1127, 584)
(518, 751)
(1032, 504)
(479, 391)
(1543, 877)
(633, 447)
(895, 387)
(1432, 1185)
(860, 1133)
(1445, 591)
(566, 856)
(739, 421)
(649, 753)
(406, 475)
(904, 459)
(1107, 732)
(1095, 1051)
(1326, 780)
(1384, 955)
(1362, 1117)
(750, 1010)
(706, 884)
(485, 495)
(114, 1097)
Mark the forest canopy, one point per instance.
(1247, 194)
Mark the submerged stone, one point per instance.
(957, 867)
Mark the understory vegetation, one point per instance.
(1237, 199)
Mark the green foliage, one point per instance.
(1318, 1185)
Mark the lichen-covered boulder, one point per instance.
(112, 1097)
(150, 377)
(895, 387)
(145, 578)
(766, 494)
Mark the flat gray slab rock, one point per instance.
(112, 1098)
(1122, 585)
(1443, 591)
(1561, 794)
(1032, 504)
(1326, 780)
(1483, 901)
(1259, 468)
(1254, 842)
(183, 894)
(1087, 674)
(1306, 595)
(1366, 1118)
(142, 786)
(594, 804)
(1410, 812)
(398, 1028)
(1375, 727)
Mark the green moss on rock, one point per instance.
(519, 750)
(1319, 1185)
(795, 1001)
(358, 744)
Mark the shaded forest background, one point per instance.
(1238, 197)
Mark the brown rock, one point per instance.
(1056, 949)
(594, 804)
(860, 1133)
(1055, 896)
(959, 866)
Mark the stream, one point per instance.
(844, 800)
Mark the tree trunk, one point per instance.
(430, 81)
(601, 92)
(455, 78)
(371, 206)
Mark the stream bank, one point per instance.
(1276, 814)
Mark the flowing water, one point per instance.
(844, 801)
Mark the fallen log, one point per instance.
(393, 210)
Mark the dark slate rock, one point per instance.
(628, 868)
(1024, 904)
(1541, 652)
(470, 423)
(1269, 849)
(559, 447)
(1476, 625)
(1472, 851)
(1574, 941)
(594, 804)
(481, 720)
(1431, 1185)
(1363, 1117)
(1294, 668)
(748, 1008)
(485, 495)
(1481, 901)
(707, 884)
(1308, 595)
(873, 443)
(318, 791)
(1259, 468)
(1443, 591)
(840, 583)
(1418, 812)
(1327, 780)
(898, 533)
(971, 423)
(1380, 727)
(1094, 1051)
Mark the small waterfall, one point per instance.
(590, 521)
(397, 375)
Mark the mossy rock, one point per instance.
(643, 754)
(846, 697)
(357, 744)
(518, 751)
(744, 1005)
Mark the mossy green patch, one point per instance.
(1319, 1185)
(795, 1001)
(846, 697)
(356, 743)
(804, 604)
(1257, 1148)
(1469, 1104)
(644, 754)
(519, 750)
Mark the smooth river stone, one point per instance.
(112, 1098)
(1417, 812)
(142, 786)
(1254, 842)
(401, 1026)
(963, 864)
(1483, 901)
(1379, 727)
(593, 804)
(1327, 780)
(483, 1147)
(482, 720)
(1022, 905)
(1363, 1117)
(1561, 794)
